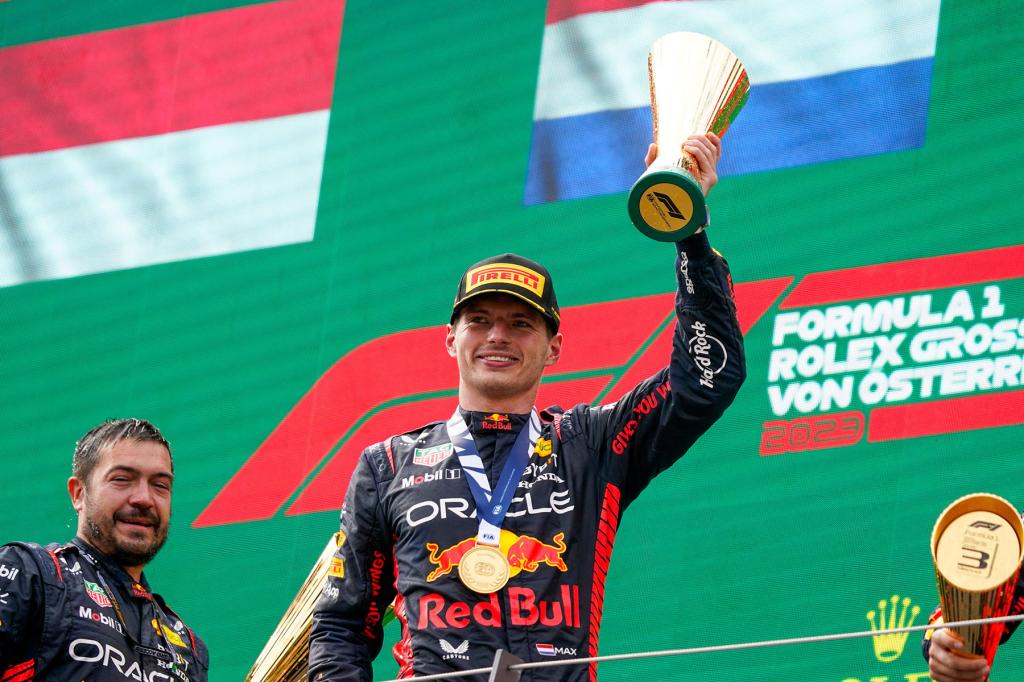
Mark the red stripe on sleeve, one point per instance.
(402, 650)
(607, 526)
(18, 672)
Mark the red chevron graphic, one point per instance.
(349, 404)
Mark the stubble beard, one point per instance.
(123, 554)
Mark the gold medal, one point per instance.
(484, 569)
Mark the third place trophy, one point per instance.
(977, 546)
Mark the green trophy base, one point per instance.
(667, 204)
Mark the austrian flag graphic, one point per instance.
(208, 138)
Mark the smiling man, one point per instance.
(494, 529)
(84, 610)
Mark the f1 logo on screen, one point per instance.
(868, 353)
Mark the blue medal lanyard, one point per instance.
(492, 507)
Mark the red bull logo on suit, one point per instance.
(524, 553)
(524, 609)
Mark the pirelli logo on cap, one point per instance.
(506, 273)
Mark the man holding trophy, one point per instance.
(944, 652)
(977, 547)
(495, 527)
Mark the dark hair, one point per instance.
(90, 446)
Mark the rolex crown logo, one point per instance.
(891, 615)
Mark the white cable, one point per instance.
(764, 643)
(712, 649)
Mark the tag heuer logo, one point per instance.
(428, 457)
(97, 594)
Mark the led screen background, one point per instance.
(272, 236)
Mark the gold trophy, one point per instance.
(697, 86)
(285, 658)
(977, 547)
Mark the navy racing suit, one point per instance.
(409, 515)
(68, 612)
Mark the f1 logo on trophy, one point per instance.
(697, 86)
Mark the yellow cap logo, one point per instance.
(506, 273)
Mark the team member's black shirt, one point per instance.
(70, 613)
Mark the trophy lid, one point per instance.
(978, 542)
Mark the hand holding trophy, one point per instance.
(285, 657)
(977, 546)
(697, 86)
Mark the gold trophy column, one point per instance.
(977, 547)
(697, 86)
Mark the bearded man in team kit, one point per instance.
(84, 610)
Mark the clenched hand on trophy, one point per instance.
(706, 150)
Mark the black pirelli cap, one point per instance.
(513, 275)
